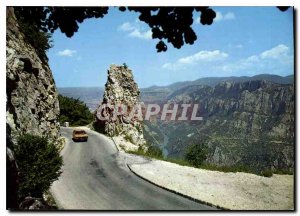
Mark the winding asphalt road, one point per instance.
(92, 179)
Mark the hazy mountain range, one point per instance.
(92, 96)
(212, 81)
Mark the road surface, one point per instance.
(92, 179)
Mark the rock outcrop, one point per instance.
(120, 89)
(32, 98)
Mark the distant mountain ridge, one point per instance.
(159, 93)
(93, 95)
(212, 81)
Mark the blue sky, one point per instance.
(242, 41)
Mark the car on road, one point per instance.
(79, 135)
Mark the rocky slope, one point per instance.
(247, 124)
(120, 89)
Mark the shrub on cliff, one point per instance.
(74, 111)
(267, 173)
(152, 152)
(39, 163)
(155, 152)
(196, 155)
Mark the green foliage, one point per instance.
(98, 128)
(177, 31)
(125, 65)
(74, 111)
(196, 155)
(155, 152)
(283, 172)
(178, 161)
(152, 152)
(49, 199)
(128, 138)
(39, 163)
(267, 173)
(41, 41)
(168, 24)
(140, 151)
(234, 169)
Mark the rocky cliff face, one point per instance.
(249, 124)
(120, 88)
(32, 98)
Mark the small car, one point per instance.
(80, 135)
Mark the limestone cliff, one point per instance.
(32, 98)
(120, 88)
(244, 124)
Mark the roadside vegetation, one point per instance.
(40, 40)
(128, 138)
(196, 156)
(39, 164)
(74, 111)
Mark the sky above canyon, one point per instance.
(242, 41)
